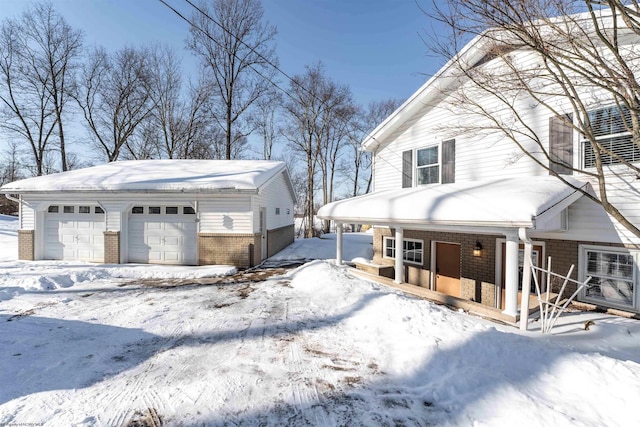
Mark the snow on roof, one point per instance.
(509, 202)
(156, 176)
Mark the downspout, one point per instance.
(526, 278)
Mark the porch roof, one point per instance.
(529, 202)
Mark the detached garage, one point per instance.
(183, 212)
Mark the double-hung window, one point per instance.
(427, 165)
(412, 249)
(611, 131)
(612, 276)
(435, 164)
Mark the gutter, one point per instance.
(390, 222)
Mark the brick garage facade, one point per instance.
(26, 245)
(279, 238)
(111, 247)
(241, 250)
(477, 274)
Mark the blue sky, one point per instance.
(373, 46)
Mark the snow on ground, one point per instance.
(315, 346)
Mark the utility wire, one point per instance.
(262, 57)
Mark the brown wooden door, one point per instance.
(537, 261)
(448, 268)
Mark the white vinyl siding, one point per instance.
(477, 157)
(27, 217)
(225, 215)
(274, 195)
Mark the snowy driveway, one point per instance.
(316, 346)
(92, 345)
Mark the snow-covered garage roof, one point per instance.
(193, 176)
(510, 202)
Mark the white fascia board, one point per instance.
(429, 91)
(487, 227)
(547, 215)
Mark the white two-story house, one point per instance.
(462, 199)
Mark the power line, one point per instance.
(262, 57)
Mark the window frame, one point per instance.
(585, 144)
(583, 274)
(438, 164)
(405, 241)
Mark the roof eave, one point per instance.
(143, 191)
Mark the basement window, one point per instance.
(612, 274)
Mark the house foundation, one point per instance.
(26, 245)
(279, 238)
(241, 250)
(111, 247)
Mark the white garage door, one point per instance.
(162, 235)
(74, 233)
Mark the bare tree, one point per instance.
(236, 47)
(53, 49)
(38, 54)
(179, 120)
(314, 117)
(358, 165)
(114, 97)
(265, 118)
(335, 128)
(567, 58)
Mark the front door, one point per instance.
(536, 259)
(448, 268)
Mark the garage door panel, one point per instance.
(172, 241)
(154, 226)
(162, 239)
(74, 237)
(154, 240)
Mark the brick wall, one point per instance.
(25, 245)
(477, 274)
(279, 238)
(112, 247)
(241, 250)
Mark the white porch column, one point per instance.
(338, 243)
(511, 274)
(399, 267)
(526, 280)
